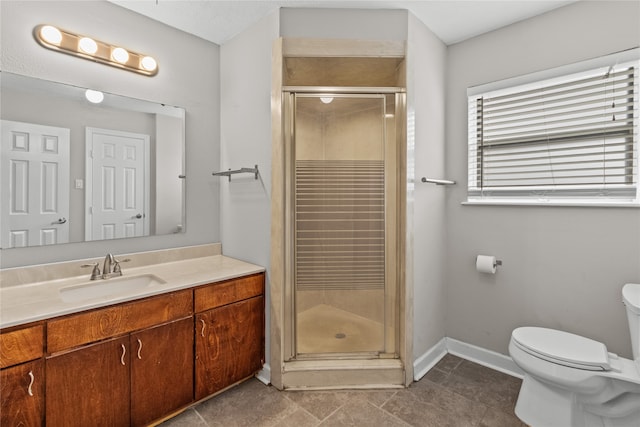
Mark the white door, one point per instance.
(35, 185)
(117, 184)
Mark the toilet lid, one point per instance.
(563, 348)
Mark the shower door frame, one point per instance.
(392, 303)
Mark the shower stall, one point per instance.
(342, 207)
(338, 300)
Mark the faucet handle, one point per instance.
(117, 270)
(96, 270)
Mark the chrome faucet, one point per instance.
(109, 261)
(112, 267)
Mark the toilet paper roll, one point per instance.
(486, 264)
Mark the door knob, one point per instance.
(60, 221)
(138, 216)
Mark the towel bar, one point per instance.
(438, 181)
(230, 172)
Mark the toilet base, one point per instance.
(539, 405)
(542, 405)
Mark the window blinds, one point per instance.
(573, 136)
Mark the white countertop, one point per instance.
(41, 300)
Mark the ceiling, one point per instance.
(452, 20)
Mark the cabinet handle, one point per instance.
(203, 326)
(139, 348)
(30, 390)
(124, 351)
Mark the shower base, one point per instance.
(327, 329)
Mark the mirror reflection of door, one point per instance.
(35, 184)
(117, 175)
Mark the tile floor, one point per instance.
(455, 392)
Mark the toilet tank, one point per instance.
(631, 299)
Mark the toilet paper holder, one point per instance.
(487, 264)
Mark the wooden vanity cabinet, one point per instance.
(22, 376)
(132, 379)
(229, 333)
(133, 363)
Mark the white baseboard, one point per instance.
(428, 360)
(424, 363)
(479, 355)
(264, 375)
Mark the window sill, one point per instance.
(559, 203)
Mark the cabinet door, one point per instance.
(229, 345)
(161, 370)
(22, 395)
(89, 386)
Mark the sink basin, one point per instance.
(102, 288)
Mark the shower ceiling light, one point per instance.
(84, 47)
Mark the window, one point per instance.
(571, 138)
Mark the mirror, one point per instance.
(74, 171)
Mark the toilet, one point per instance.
(573, 381)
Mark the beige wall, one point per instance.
(563, 267)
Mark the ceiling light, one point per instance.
(326, 100)
(94, 96)
(89, 48)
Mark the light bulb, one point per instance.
(94, 96)
(51, 34)
(121, 55)
(88, 45)
(148, 63)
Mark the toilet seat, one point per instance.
(562, 348)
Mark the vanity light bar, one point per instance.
(85, 47)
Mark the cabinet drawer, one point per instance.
(223, 293)
(102, 323)
(21, 345)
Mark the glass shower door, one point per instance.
(342, 239)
